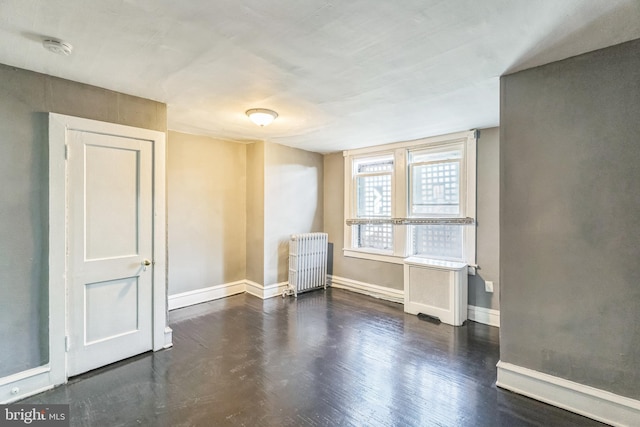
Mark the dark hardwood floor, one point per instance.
(329, 358)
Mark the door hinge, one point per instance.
(66, 152)
(66, 343)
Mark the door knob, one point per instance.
(146, 263)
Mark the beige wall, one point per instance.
(293, 203)
(206, 198)
(255, 212)
(232, 208)
(25, 99)
(391, 275)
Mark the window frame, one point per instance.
(401, 193)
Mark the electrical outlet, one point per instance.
(488, 286)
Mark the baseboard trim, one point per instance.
(185, 299)
(275, 290)
(24, 384)
(591, 402)
(168, 337)
(264, 292)
(377, 291)
(483, 315)
(476, 314)
(211, 293)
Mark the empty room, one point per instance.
(313, 213)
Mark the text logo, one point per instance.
(34, 415)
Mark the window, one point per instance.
(435, 182)
(436, 189)
(412, 198)
(372, 181)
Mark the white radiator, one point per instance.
(307, 262)
(437, 288)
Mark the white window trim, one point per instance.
(399, 207)
(374, 255)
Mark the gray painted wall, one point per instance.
(488, 221)
(25, 98)
(570, 230)
(293, 203)
(391, 275)
(206, 186)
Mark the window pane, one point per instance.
(375, 236)
(374, 196)
(435, 188)
(438, 241)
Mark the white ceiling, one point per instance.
(341, 75)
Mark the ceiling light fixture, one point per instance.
(261, 116)
(58, 46)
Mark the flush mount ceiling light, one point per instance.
(57, 46)
(261, 116)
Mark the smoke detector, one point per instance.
(57, 46)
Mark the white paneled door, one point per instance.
(110, 247)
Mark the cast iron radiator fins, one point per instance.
(307, 263)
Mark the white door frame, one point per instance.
(58, 126)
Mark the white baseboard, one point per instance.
(484, 315)
(275, 290)
(376, 291)
(591, 402)
(254, 288)
(477, 314)
(211, 293)
(25, 384)
(168, 337)
(264, 292)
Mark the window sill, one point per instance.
(373, 256)
(392, 259)
(435, 263)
